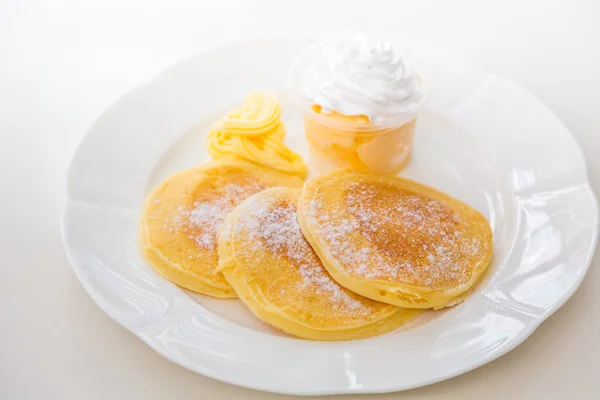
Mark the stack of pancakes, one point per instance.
(343, 256)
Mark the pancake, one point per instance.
(182, 215)
(394, 240)
(276, 273)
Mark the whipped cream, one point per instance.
(361, 75)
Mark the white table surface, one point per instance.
(61, 65)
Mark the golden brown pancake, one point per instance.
(395, 240)
(276, 273)
(182, 215)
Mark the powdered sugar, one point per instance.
(208, 217)
(202, 220)
(275, 226)
(385, 234)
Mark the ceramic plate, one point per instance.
(481, 138)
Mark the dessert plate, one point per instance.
(482, 139)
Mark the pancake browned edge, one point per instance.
(276, 273)
(181, 217)
(395, 240)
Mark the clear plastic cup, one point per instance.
(339, 141)
(361, 146)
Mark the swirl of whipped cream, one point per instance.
(360, 75)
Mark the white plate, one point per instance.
(482, 139)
